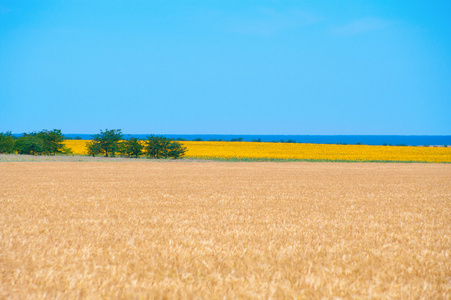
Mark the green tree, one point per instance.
(176, 150)
(53, 141)
(29, 144)
(108, 141)
(240, 139)
(156, 146)
(6, 142)
(132, 147)
(65, 150)
(93, 148)
(162, 147)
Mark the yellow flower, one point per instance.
(289, 151)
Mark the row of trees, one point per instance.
(107, 143)
(111, 143)
(44, 142)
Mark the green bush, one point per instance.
(52, 141)
(93, 148)
(29, 144)
(240, 139)
(107, 143)
(176, 150)
(43, 142)
(65, 150)
(6, 142)
(162, 147)
(131, 147)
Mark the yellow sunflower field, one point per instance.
(298, 151)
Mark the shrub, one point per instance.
(29, 144)
(93, 148)
(131, 147)
(162, 147)
(176, 150)
(6, 142)
(107, 142)
(52, 141)
(66, 150)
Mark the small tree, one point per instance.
(156, 146)
(93, 148)
(162, 147)
(108, 141)
(6, 142)
(176, 150)
(132, 147)
(52, 141)
(29, 144)
(66, 150)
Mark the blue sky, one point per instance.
(226, 67)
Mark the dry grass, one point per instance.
(233, 230)
(78, 158)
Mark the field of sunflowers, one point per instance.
(287, 151)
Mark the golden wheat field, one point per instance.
(225, 230)
(250, 150)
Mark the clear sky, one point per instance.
(226, 67)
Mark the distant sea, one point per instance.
(408, 140)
